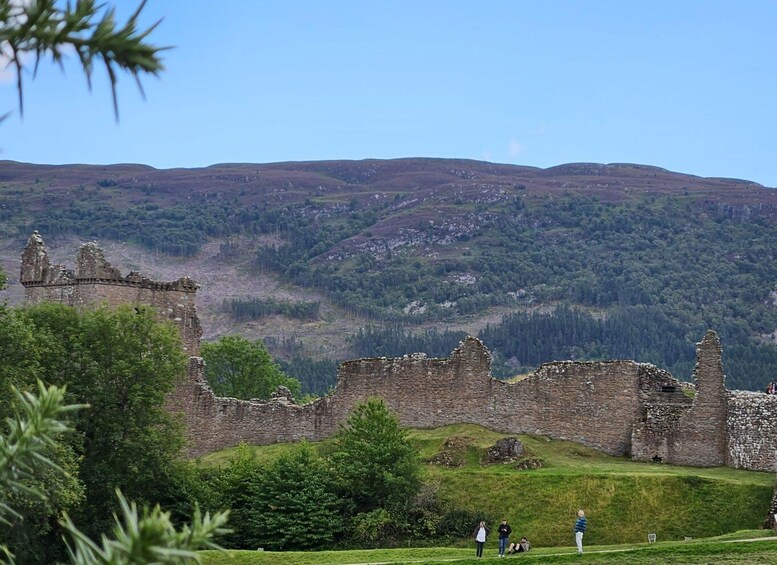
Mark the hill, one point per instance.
(338, 259)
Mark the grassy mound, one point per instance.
(624, 500)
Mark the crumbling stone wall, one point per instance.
(702, 430)
(215, 423)
(663, 403)
(678, 430)
(619, 407)
(591, 403)
(752, 430)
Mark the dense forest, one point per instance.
(586, 261)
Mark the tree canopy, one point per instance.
(146, 536)
(122, 363)
(377, 464)
(290, 504)
(240, 368)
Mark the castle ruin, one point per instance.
(622, 408)
(94, 281)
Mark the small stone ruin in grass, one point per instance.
(453, 453)
(506, 450)
(511, 450)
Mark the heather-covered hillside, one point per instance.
(336, 259)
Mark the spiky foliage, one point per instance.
(30, 433)
(146, 536)
(41, 29)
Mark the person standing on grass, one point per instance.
(504, 530)
(580, 530)
(481, 533)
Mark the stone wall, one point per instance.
(752, 430)
(591, 403)
(677, 429)
(619, 407)
(701, 432)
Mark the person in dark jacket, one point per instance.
(580, 526)
(504, 530)
(480, 533)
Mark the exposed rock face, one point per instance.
(505, 450)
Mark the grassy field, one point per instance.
(624, 500)
(731, 549)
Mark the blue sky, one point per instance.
(686, 85)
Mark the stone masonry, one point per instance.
(619, 407)
(94, 281)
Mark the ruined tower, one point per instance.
(683, 431)
(94, 282)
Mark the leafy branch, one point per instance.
(146, 536)
(41, 28)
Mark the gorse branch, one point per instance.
(146, 537)
(30, 433)
(41, 29)
(23, 449)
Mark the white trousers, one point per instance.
(579, 541)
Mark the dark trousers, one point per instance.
(480, 545)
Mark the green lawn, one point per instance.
(708, 551)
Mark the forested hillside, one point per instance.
(580, 261)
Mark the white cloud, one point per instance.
(514, 149)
